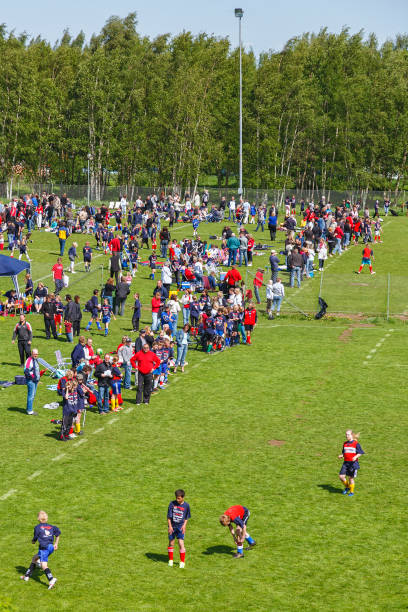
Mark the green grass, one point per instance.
(302, 382)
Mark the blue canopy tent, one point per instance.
(12, 267)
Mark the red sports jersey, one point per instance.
(367, 253)
(349, 450)
(235, 511)
(250, 317)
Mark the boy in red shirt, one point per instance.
(239, 516)
(366, 261)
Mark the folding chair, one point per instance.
(54, 372)
(62, 362)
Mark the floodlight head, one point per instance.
(239, 13)
(90, 156)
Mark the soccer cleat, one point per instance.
(345, 491)
(350, 494)
(250, 546)
(171, 563)
(238, 555)
(52, 583)
(25, 578)
(182, 564)
(372, 272)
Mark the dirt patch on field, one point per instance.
(276, 442)
(359, 284)
(345, 335)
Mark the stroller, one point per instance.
(215, 216)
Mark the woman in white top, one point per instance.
(175, 309)
(186, 300)
(322, 251)
(278, 293)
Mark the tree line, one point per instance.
(328, 111)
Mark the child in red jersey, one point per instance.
(351, 452)
(250, 318)
(239, 516)
(366, 260)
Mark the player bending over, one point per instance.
(350, 454)
(44, 533)
(177, 517)
(238, 515)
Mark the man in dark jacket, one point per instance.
(122, 291)
(274, 261)
(115, 265)
(48, 310)
(79, 352)
(295, 264)
(24, 335)
(103, 372)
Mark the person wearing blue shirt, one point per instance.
(44, 534)
(178, 514)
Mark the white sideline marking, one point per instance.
(8, 494)
(81, 441)
(129, 410)
(35, 475)
(112, 421)
(58, 457)
(98, 430)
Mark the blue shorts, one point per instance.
(349, 468)
(106, 319)
(116, 386)
(157, 371)
(365, 261)
(177, 533)
(164, 367)
(219, 332)
(44, 553)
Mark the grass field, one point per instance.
(260, 425)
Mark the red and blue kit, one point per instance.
(178, 515)
(219, 322)
(349, 451)
(44, 535)
(87, 253)
(250, 318)
(238, 515)
(106, 313)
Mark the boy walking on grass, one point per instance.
(44, 534)
(178, 514)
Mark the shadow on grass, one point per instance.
(330, 489)
(34, 576)
(221, 549)
(11, 364)
(17, 409)
(157, 557)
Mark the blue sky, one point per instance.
(267, 24)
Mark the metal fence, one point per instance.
(109, 194)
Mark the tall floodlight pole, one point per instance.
(89, 156)
(239, 13)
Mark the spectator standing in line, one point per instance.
(125, 354)
(295, 263)
(274, 261)
(103, 373)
